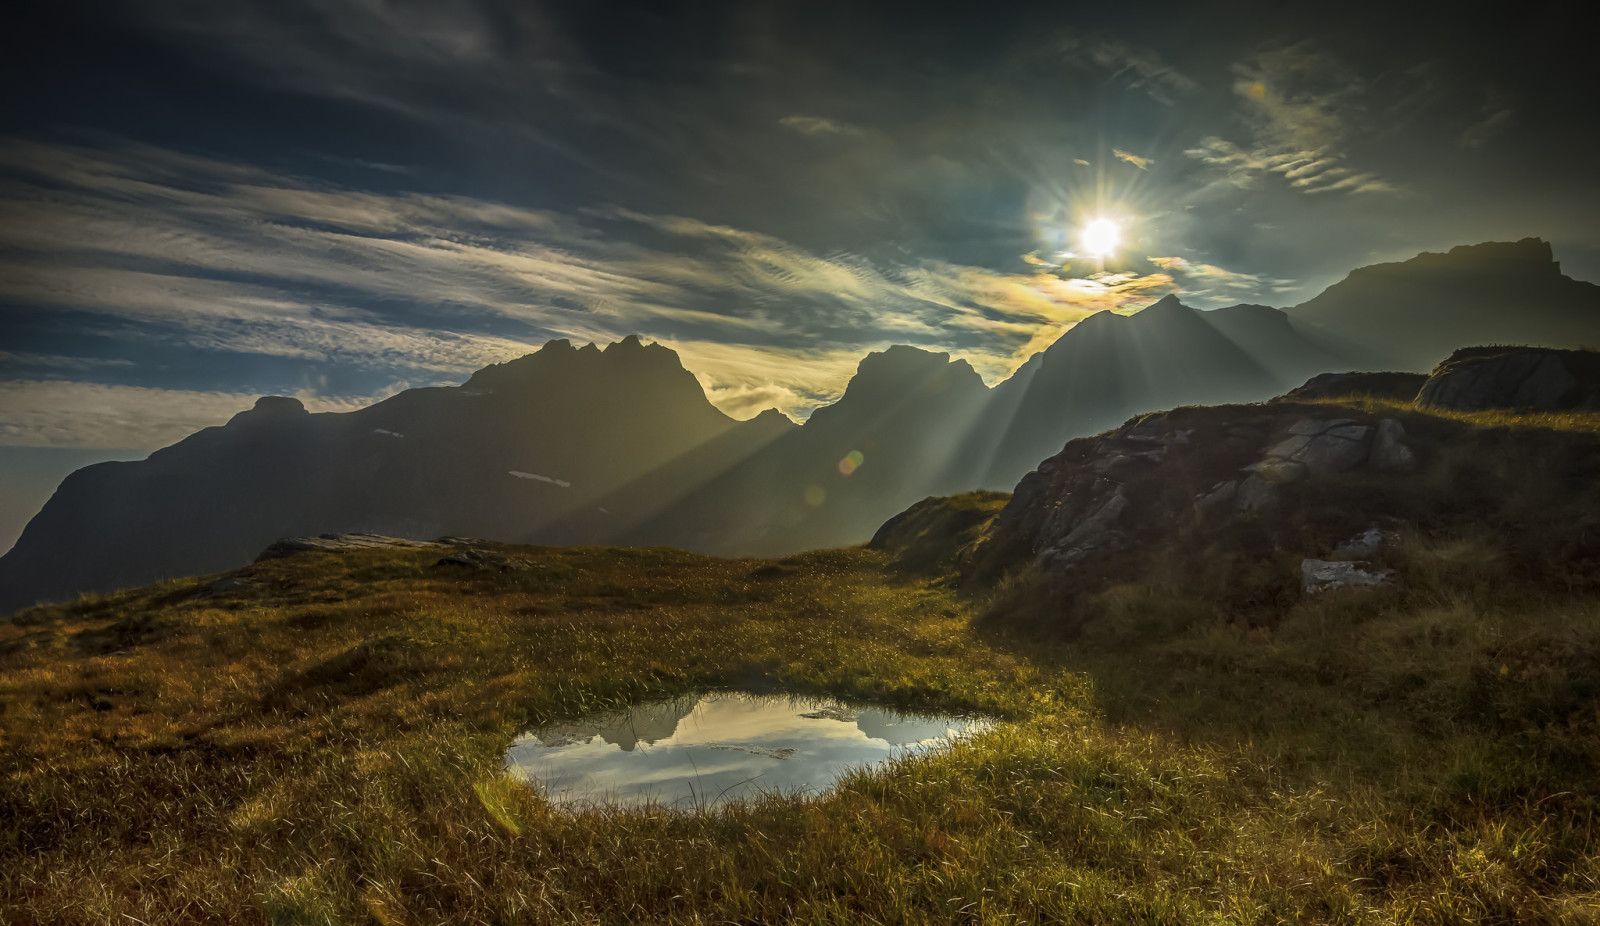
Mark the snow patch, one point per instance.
(387, 432)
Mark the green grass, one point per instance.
(326, 749)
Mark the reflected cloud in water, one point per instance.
(701, 751)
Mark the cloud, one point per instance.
(1134, 159)
(813, 125)
(1142, 67)
(1199, 279)
(54, 413)
(1300, 106)
(1494, 118)
(228, 259)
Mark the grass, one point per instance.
(325, 748)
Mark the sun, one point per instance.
(1100, 238)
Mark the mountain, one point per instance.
(1110, 367)
(620, 445)
(1410, 315)
(528, 449)
(905, 425)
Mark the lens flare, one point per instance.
(851, 462)
(1100, 237)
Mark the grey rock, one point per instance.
(1389, 451)
(1279, 470)
(1254, 494)
(1311, 427)
(1320, 575)
(1314, 447)
(1092, 534)
(1336, 451)
(340, 543)
(1366, 543)
(1288, 449)
(1218, 496)
(1525, 378)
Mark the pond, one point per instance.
(701, 751)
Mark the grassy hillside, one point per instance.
(320, 741)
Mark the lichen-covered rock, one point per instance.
(1320, 575)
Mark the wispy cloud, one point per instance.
(1141, 67)
(1298, 103)
(223, 257)
(51, 413)
(1209, 281)
(1134, 159)
(815, 125)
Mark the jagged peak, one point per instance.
(629, 352)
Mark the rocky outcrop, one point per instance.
(1482, 378)
(1318, 575)
(340, 543)
(1107, 496)
(1395, 386)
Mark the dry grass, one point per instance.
(326, 749)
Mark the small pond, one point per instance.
(700, 751)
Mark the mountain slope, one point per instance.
(570, 445)
(1413, 313)
(1110, 367)
(524, 450)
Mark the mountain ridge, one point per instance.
(621, 445)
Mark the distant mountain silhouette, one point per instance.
(514, 453)
(903, 429)
(1410, 315)
(583, 445)
(1111, 366)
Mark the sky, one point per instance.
(202, 201)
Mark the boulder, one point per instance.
(1320, 575)
(1476, 379)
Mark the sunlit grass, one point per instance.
(327, 749)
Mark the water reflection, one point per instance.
(703, 750)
